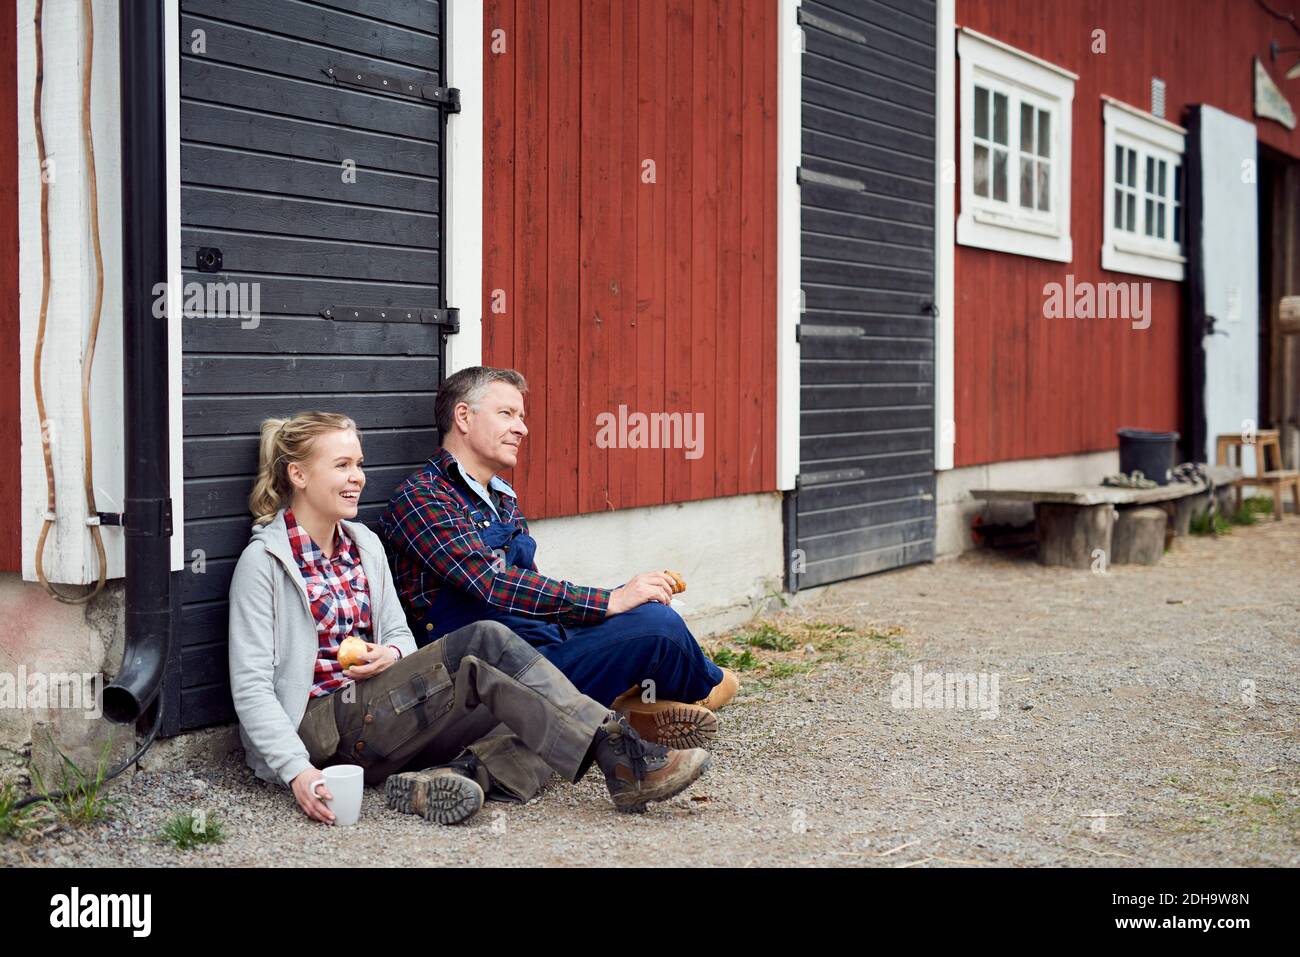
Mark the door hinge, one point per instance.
(149, 516)
(449, 319)
(446, 97)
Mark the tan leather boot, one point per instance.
(724, 692)
(674, 724)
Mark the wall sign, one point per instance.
(1270, 102)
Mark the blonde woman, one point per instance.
(311, 577)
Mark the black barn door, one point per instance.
(864, 501)
(311, 171)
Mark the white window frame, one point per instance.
(1158, 139)
(1006, 226)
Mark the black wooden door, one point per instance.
(311, 178)
(864, 501)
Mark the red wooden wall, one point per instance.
(10, 373)
(660, 297)
(1027, 386)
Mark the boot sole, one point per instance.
(678, 726)
(635, 802)
(442, 799)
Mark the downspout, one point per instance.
(148, 518)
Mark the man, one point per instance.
(462, 554)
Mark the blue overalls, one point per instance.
(603, 660)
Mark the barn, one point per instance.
(787, 279)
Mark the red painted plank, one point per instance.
(752, 194)
(704, 241)
(767, 54)
(499, 179)
(624, 45)
(729, 252)
(599, 304)
(529, 41)
(651, 137)
(677, 188)
(562, 313)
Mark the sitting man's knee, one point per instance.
(488, 641)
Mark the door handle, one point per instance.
(1210, 330)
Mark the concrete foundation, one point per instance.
(956, 510)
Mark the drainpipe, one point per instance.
(148, 518)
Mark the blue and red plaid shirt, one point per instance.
(430, 530)
(339, 596)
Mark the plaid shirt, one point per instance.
(429, 528)
(339, 596)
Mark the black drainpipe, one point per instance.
(145, 362)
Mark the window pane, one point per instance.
(1026, 183)
(1151, 175)
(1119, 209)
(1026, 128)
(1044, 133)
(1178, 184)
(1044, 186)
(1000, 119)
(1131, 210)
(981, 112)
(1178, 224)
(1160, 220)
(981, 170)
(1000, 175)
(1150, 219)
(1132, 167)
(1160, 176)
(1119, 164)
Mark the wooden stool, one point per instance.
(1268, 445)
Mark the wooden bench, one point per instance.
(1075, 525)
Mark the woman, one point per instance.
(312, 576)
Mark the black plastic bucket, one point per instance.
(1152, 453)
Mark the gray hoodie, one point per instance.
(273, 644)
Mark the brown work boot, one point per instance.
(638, 771)
(724, 692)
(674, 724)
(446, 794)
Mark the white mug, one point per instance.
(344, 782)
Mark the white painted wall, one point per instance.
(945, 211)
(729, 550)
(789, 294)
(463, 250)
(956, 509)
(69, 553)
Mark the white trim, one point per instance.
(462, 249)
(175, 285)
(1004, 226)
(945, 207)
(1017, 54)
(1148, 135)
(1147, 118)
(789, 293)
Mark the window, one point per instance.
(1015, 150)
(1144, 183)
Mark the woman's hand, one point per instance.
(651, 586)
(308, 800)
(377, 658)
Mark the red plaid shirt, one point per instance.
(339, 596)
(429, 529)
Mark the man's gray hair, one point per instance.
(469, 386)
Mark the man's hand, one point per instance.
(312, 805)
(651, 586)
(377, 658)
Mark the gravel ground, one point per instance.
(1125, 734)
